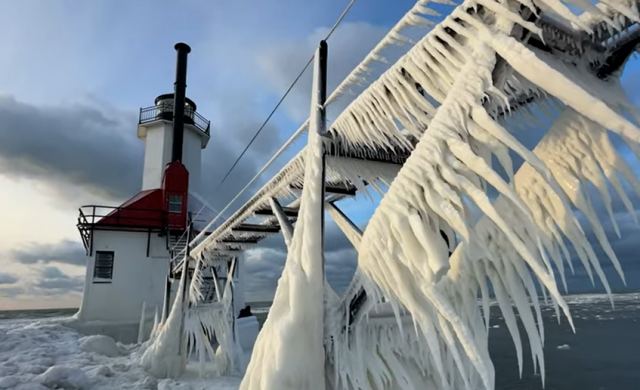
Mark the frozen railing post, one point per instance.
(318, 121)
(285, 225)
(289, 352)
(182, 350)
(166, 304)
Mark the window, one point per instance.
(103, 268)
(175, 204)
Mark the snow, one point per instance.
(100, 344)
(41, 354)
(64, 377)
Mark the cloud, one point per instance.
(82, 151)
(46, 281)
(347, 47)
(65, 251)
(263, 265)
(52, 279)
(70, 148)
(223, 150)
(12, 291)
(6, 278)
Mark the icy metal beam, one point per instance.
(288, 211)
(255, 228)
(339, 190)
(285, 224)
(226, 252)
(619, 55)
(350, 230)
(252, 240)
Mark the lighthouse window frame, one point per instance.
(175, 204)
(103, 267)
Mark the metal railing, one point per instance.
(165, 111)
(110, 217)
(121, 216)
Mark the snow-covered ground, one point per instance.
(44, 354)
(41, 354)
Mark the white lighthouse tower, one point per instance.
(129, 246)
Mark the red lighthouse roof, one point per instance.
(145, 209)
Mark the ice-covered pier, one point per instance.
(435, 135)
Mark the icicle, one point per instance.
(163, 357)
(542, 72)
(143, 315)
(517, 246)
(156, 324)
(289, 351)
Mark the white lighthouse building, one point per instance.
(129, 246)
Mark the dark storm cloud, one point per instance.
(70, 147)
(347, 47)
(264, 264)
(47, 280)
(223, 149)
(53, 279)
(65, 251)
(81, 148)
(6, 278)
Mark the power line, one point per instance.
(343, 14)
(266, 121)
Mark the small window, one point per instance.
(103, 269)
(175, 204)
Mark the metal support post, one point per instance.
(318, 122)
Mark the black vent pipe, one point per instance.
(179, 89)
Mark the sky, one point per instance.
(74, 74)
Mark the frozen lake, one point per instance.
(40, 353)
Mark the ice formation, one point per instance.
(191, 327)
(143, 315)
(289, 351)
(46, 353)
(100, 344)
(403, 259)
(440, 245)
(164, 355)
(205, 321)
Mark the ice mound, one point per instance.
(64, 377)
(9, 382)
(100, 344)
(45, 354)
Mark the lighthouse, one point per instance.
(129, 247)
